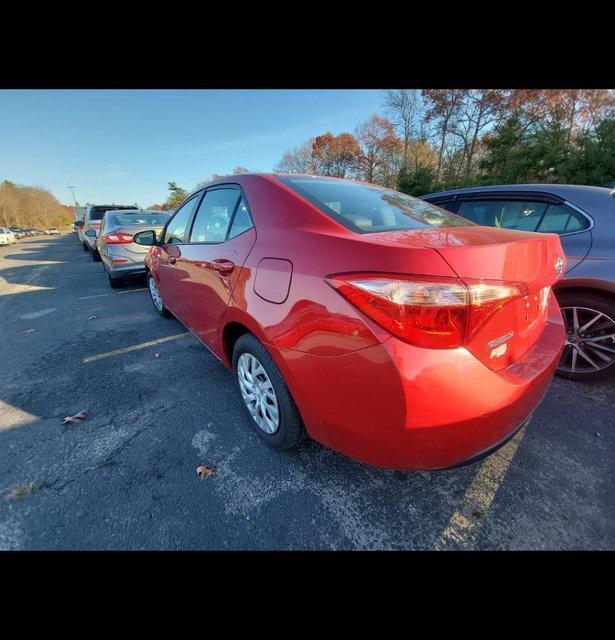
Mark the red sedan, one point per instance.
(386, 328)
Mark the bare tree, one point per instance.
(404, 107)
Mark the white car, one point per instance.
(53, 231)
(7, 236)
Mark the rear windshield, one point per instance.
(127, 219)
(98, 212)
(365, 208)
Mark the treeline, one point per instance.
(441, 139)
(31, 207)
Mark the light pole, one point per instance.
(72, 190)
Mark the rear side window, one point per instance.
(365, 208)
(505, 214)
(214, 215)
(524, 215)
(562, 218)
(241, 222)
(127, 219)
(177, 230)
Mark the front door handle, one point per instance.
(172, 259)
(223, 267)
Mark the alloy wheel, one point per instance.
(590, 340)
(153, 291)
(258, 393)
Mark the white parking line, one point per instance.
(135, 347)
(461, 531)
(116, 293)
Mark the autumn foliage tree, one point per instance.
(26, 206)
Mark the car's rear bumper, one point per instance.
(398, 406)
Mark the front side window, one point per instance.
(214, 215)
(177, 230)
(366, 208)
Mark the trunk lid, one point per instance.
(487, 255)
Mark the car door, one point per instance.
(221, 238)
(170, 272)
(526, 213)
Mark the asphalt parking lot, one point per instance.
(125, 477)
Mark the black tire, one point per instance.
(162, 310)
(290, 429)
(85, 247)
(115, 283)
(96, 256)
(591, 302)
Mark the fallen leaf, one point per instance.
(78, 417)
(204, 472)
(92, 318)
(156, 355)
(29, 331)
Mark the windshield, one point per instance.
(366, 208)
(127, 219)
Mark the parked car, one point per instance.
(7, 236)
(584, 218)
(121, 256)
(91, 225)
(389, 329)
(53, 231)
(18, 232)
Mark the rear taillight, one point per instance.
(438, 313)
(117, 238)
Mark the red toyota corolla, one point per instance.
(384, 327)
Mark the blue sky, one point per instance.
(124, 146)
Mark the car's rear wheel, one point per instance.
(156, 297)
(265, 395)
(589, 351)
(96, 256)
(85, 247)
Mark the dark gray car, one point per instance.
(121, 256)
(584, 219)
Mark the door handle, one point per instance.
(223, 267)
(172, 259)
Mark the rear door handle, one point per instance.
(223, 267)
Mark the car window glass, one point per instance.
(178, 227)
(241, 221)
(214, 215)
(562, 218)
(507, 214)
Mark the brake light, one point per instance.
(117, 238)
(438, 313)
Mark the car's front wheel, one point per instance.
(85, 247)
(265, 395)
(589, 350)
(156, 297)
(96, 256)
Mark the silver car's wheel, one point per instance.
(258, 393)
(590, 341)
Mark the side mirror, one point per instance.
(79, 224)
(145, 238)
(90, 233)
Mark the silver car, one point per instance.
(584, 219)
(92, 219)
(121, 256)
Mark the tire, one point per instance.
(158, 305)
(85, 247)
(600, 311)
(96, 256)
(115, 283)
(289, 430)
